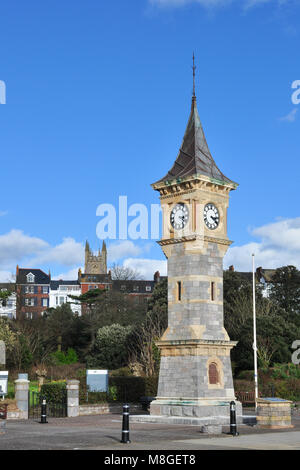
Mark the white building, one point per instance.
(9, 306)
(59, 294)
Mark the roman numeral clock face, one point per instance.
(179, 216)
(211, 216)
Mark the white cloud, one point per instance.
(147, 267)
(117, 251)
(67, 253)
(71, 275)
(18, 248)
(279, 245)
(7, 276)
(291, 117)
(3, 213)
(179, 3)
(16, 245)
(246, 4)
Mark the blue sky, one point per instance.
(97, 100)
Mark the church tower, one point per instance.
(95, 263)
(195, 379)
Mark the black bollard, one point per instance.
(44, 411)
(125, 425)
(233, 428)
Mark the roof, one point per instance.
(266, 274)
(10, 286)
(194, 157)
(133, 286)
(55, 284)
(98, 278)
(40, 276)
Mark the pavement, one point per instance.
(103, 432)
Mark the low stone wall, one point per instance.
(16, 414)
(273, 413)
(105, 408)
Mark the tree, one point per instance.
(7, 335)
(110, 348)
(124, 273)
(37, 337)
(279, 334)
(103, 308)
(285, 290)
(4, 294)
(144, 354)
(275, 331)
(60, 327)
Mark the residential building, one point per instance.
(60, 292)
(32, 289)
(263, 277)
(9, 305)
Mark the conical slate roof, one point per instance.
(194, 157)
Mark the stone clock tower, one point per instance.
(195, 380)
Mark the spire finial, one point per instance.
(194, 75)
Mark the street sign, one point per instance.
(3, 382)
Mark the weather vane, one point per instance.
(194, 75)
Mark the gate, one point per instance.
(57, 409)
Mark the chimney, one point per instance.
(157, 276)
(231, 268)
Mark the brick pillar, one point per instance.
(21, 395)
(73, 398)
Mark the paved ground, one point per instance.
(104, 433)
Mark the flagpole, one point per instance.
(254, 332)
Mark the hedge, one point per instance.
(121, 389)
(54, 391)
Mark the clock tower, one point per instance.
(195, 380)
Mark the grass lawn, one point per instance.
(33, 387)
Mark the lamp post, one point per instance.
(254, 332)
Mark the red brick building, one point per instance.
(32, 289)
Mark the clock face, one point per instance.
(179, 216)
(211, 216)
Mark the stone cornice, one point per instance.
(193, 237)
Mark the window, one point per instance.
(29, 289)
(123, 287)
(136, 288)
(44, 302)
(213, 374)
(212, 291)
(61, 300)
(30, 277)
(148, 288)
(56, 300)
(179, 291)
(29, 302)
(45, 289)
(29, 315)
